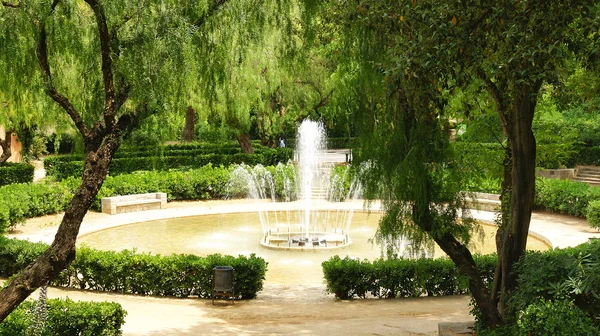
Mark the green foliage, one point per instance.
(15, 173)
(21, 201)
(144, 274)
(571, 274)
(67, 317)
(171, 157)
(565, 196)
(593, 213)
(389, 278)
(555, 318)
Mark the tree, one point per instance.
(401, 53)
(107, 66)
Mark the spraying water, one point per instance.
(321, 219)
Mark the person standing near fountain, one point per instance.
(281, 142)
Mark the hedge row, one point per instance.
(25, 200)
(392, 278)
(169, 150)
(67, 317)
(62, 170)
(15, 173)
(128, 272)
(566, 197)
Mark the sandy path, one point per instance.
(281, 310)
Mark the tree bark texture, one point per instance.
(189, 129)
(5, 145)
(523, 151)
(245, 143)
(463, 259)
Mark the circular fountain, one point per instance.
(318, 224)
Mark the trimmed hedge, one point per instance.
(67, 317)
(128, 272)
(21, 201)
(64, 169)
(564, 196)
(15, 173)
(392, 278)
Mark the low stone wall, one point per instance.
(562, 174)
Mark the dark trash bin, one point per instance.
(223, 280)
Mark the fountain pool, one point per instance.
(240, 233)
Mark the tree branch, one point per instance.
(42, 56)
(210, 12)
(323, 101)
(11, 5)
(496, 95)
(107, 74)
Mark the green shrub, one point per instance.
(386, 278)
(15, 173)
(21, 201)
(593, 213)
(564, 196)
(67, 317)
(571, 274)
(144, 274)
(62, 168)
(555, 318)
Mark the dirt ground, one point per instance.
(282, 310)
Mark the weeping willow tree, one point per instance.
(107, 66)
(403, 56)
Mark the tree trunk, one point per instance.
(245, 143)
(62, 251)
(503, 221)
(523, 150)
(189, 129)
(5, 145)
(463, 259)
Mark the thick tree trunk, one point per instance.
(62, 251)
(503, 221)
(245, 143)
(463, 259)
(5, 145)
(189, 129)
(523, 150)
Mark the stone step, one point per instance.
(594, 183)
(588, 177)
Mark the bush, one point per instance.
(555, 318)
(15, 173)
(593, 214)
(64, 167)
(21, 201)
(128, 272)
(564, 196)
(67, 317)
(571, 274)
(348, 278)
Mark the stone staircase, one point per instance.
(319, 188)
(588, 174)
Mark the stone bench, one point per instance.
(137, 202)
